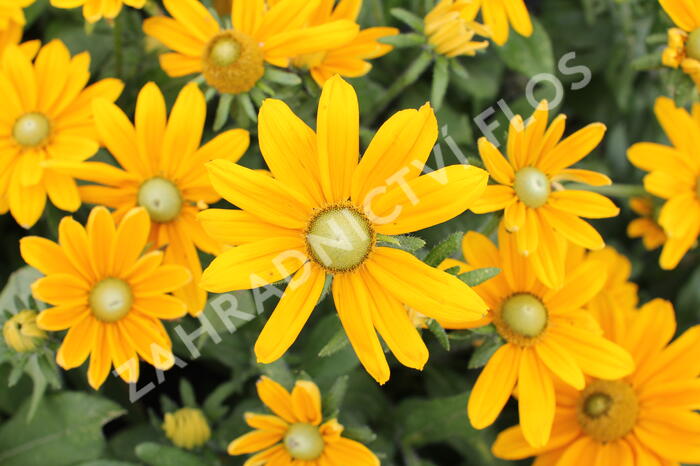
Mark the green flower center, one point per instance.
(525, 315)
(161, 198)
(692, 45)
(339, 238)
(303, 442)
(111, 299)
(532, 187)
(224, 51)
(607, 410)
(31, 129)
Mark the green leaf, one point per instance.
(362, 434)
(410, 39)
(279, 372)
(479, 276)
(529, 55)
(405, 242)
(248, 107)
(333, 400)
(337, 342)
(39, 384)
(458, 69)
(441, 79)
(214, 406)
(18, 286)
(483, 353)
(187, 394)
(413, 21)
(106, 463)
(439, 332)
(155, 454)
(282, 77)
(223, 111)
(66, 429)
(444, 249)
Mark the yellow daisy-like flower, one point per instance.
(350, 59)
(646, 226)
(11, 13)
(95, 10)
(320, 214)
(232, 60)
(450, 33)
(674, 175)
(187, 428)
(536, 206)
(684, 41)
(547, 335)
(647, 418)
(294, 434)
(46, 116)
(162, 170)
(497, 15)
(108, 294)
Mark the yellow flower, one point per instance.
(232, 60)
(12, 35)
(674, 175)
(162, 170)
(548, 336)
(21, 332)
(684, 41)
(537, 208)
(497, 14)
(349, 59)
(294, 433)
(11, 12)
(109, 295)
(46, 116)
(646, 227)
(95, 10)
(450, 33)
(320, 215)
(187, 428)
(647, 418)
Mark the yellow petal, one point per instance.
(306, 402)
(572, 228)
(536, 405)
(277, 398)
(494, 386)
(495, 163)
(572, 149)
(583, 203)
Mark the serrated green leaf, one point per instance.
(413, 21)
(410, 39)
(155, 454)
(444, 249)
(333, 400)
(405, 242)
(479, 276)
(483, 353)
(187, 394)
(441, 79)
(282, 77)
(439, 332)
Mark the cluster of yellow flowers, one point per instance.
(597, 380)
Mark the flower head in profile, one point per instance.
(647, 418)
(106, 293)
(528, 188)
(295, 433)
(187, 428)
(647, 225)
(450, 33)
(12, 14)
(320, 215)
(47, 115)
(232, 60)
(499, 15)
(674, 176)
(683, 49)
(349, 59)
(548, 336)
(95, 10)
(162, 169)
(21, 332)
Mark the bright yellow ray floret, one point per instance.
(95, 10)
(11, 12)
(499, 15)
(683, 48)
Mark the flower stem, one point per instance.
(615, 190)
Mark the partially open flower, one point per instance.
(683, 48)
(21, 332)
(450, 33)
(187, 428)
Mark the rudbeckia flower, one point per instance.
(162, 170)
(320, 215)
(450, 33)
(684, 41)
(232, 60)
(548, 336)
(46, 116)
(350, 59)
(108, 294)
(647, 418)
(295, 433)
(646, 226)
(11, 12)
(674, 175)
(497, 15)
(528, 188)
(95, 10)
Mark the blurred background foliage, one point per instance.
(416, 419)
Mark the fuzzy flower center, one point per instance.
(161, 199)
(303, 442)
(232, 62)
(607, 410)
(523, 318)
(692, 46)
(339, 238)
(31, 129)
(111, 299)
(532, 187)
